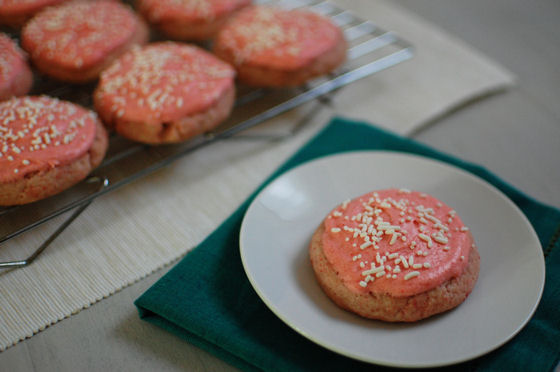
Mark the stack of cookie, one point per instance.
(156, 93)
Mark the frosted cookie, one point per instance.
(16, 77)
(165, 92)
(194, 20)
(274, 47)
(73, 42)
(46, 146)
(395, 255)
(15, 13)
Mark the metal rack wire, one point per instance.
(371, 49)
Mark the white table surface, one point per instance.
(514, 134)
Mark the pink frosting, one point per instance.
(267, 36)
(38, 133)
(162, 82)
(188, 10)
(369, 239)
(12, 63)
(79, 34)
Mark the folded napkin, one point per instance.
(207, 299)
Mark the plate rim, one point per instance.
(436, 162)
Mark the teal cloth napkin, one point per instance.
(207, 299)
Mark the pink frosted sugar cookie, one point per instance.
(15, 75)
(46, 146)
(395, 255)
(75, 41)
(274, 47)
(165, 92)
(194, 20)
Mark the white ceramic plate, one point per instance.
(279, 223)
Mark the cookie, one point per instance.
(271, 47)
(395, 255)
(165, 92)
(46, 146)
(16, 77)
(15, 13)
(75, 41)
(193, 20)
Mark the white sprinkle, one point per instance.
(363, 284)
(464, 228)
(393, 255)
(380, 274)
(410, 260)
(426, 238)
(411, 275)
(373, 270)
(427, 265)
(462, 258)
(404, 262)
(440, 238)
(25, 162)
(365, 245)
(335, 230)
(417, 266)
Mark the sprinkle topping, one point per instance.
(188, 10)
(79, 34)
(162, 81)
(41, 132)
(286, 39)
(370, 228)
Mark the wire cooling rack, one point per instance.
(371, 49)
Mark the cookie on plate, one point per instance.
(16, 77)
(194, 20)
(165, 92)
(15, 13)
(46, 146)
(395, 255)
(75, 41)
(272, 47)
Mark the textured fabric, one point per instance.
(207, 299)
